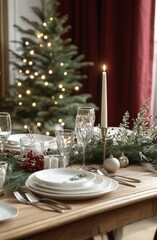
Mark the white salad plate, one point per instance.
(65, 177)
(7, 211)
(80, 196)
(99, 183)
(13, 142)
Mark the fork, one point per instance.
(44, 199)
(34, 200)
(23, 200)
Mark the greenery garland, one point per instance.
(138, 145)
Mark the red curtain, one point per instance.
(119, 34)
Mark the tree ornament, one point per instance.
(111, 164)
(124, 161)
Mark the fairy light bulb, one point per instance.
(41, 45)
(49, 44)
(50, 71)
(51, 18)
(77, 88)
(20, 71)
(34, 104)
(38, 124)
(62, 124)
(32, 52)
(47, 133)
(60, 120)
(20, 103)
(24, 60)
(44, 24)
(19, 84)
(40, 35)
(55, 102)
(19, 96)
(36, 73)
(65, 73)
(30, 63)
(25, 126)
(27, 71)
(43, 77)
(60, 86)
(26, 43)
(46, 83)
(61, 96)
(28, 91)
(32, 76)
(45, 37)
(61, 64)
(63, 89)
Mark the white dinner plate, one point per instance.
(7, 211)
(114, 185)
(65, 177)
(14, 139)
(100, 183)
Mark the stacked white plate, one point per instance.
(13, 143)
(70, 184)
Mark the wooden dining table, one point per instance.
(87, 218)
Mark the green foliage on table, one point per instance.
(139, 145)
(50, 73)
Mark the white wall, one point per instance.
(16, 9)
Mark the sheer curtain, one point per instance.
(119, 34)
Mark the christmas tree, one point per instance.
(47, 89)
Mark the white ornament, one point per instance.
(111, 164)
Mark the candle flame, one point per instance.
(104, 67)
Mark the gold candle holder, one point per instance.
(104, 134)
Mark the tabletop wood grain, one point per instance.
(87, 218)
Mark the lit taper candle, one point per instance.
(104, 116)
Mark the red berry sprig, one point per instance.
(31, 162)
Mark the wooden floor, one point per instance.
(143, 230)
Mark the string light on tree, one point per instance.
(24, 60)
(47, 133)
(26, 43)
(25, 126)
(19, 84)
(30, 63)
(43, 77)
(49, 44)
(45, 37)
(34, 104)
(20, 71)
(61, 96)
(28, 92)
(31, 76)
(32, 52)
(36, 73)
(61, 64)
(50, 71)
(27, 71)
(44, 24)
(20, 103)
(46, 83)
(77, 88)
(38, 124)
(19, 96)
(65, 73)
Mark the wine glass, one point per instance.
(65, 140)
(5, 128)
(84, 128)
(88, 111)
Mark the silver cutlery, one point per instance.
(118, 178)
(44, 206)
(48, 200)
(150, 167)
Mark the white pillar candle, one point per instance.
(104, 117)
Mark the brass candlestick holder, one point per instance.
(104, 134)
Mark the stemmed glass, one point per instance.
(5, 128)
(84, 127)
(65, 140)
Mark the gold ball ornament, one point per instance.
(124, 161)
(111, 164)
